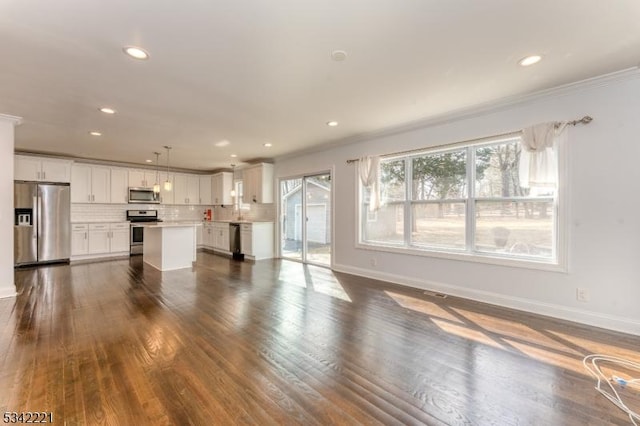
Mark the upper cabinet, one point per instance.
(119, 185)
(257, 183)
(205, 190)
(41, 169)
(222, 184)
(142, 178)
(187, 189)
(90, 184)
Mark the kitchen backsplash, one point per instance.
(118, 212)
(260, 212)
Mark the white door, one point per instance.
(56, 171)
(317, 219)
(27, 168)
(119, 186)
(137, 179)
(100, 184)
(119, 237)
(181, 192)
(99, 240)
(205, 190)
(80, 183)
(193, 189)
(79, 242)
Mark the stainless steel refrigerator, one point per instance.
(42, 229)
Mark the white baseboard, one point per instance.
(611, 322)
(8, 292)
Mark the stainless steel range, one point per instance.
(136, 235)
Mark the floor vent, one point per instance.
(435, 294)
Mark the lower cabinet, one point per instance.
(256, 240)
(221, 236)
(99, 239)
(208, 233)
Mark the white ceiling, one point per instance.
(256, 71)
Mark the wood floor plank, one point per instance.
(278, 342)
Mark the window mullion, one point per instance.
(470, 222)
(408, 196)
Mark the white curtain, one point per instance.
(538, 157)
(368, 170)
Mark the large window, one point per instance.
(467, 200)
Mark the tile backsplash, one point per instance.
(118, 212)
(255, 212)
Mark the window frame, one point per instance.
(558, 262)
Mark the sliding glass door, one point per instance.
(305, 213)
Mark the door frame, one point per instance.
(331, 216)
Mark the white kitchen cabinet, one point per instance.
(90, 184)
(193, 189)
(119, 235)
(204, 184)
(41, 169)
(180, 189)
(94, 239)
(79, 239)
(142, 178)
(187, 189)
(256, 240)
(221, 186)
(221, 236)
(257, 182)
(119, 186)
(208, 235)
(98, 238)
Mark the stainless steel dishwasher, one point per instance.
(234, 241)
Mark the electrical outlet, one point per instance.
(582, 294)
(374, 261)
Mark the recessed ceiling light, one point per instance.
(338, 55)
(234, 155)
(108, 110)
(332, 123)
(222, 143)
(268, 145)
(95, 133)
(530, 60)
(136, 52)
(148, 161)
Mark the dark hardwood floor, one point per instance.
(277, 342)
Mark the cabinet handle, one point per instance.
(93, 197)
(44, 175)
(89, 197)
(85, 235)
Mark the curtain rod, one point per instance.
(584, 120)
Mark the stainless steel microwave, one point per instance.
(143, 196)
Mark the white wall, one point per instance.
(7, 287)
(604, 208)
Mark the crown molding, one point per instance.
(476, 110)
(11, 118)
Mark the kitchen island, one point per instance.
(170, 245)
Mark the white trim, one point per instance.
(477, 111)
(464, 256)
(611, 322)
(11, 118)
(99, 256)
(7, 293)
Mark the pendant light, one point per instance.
(167, 184)
(156, 185)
